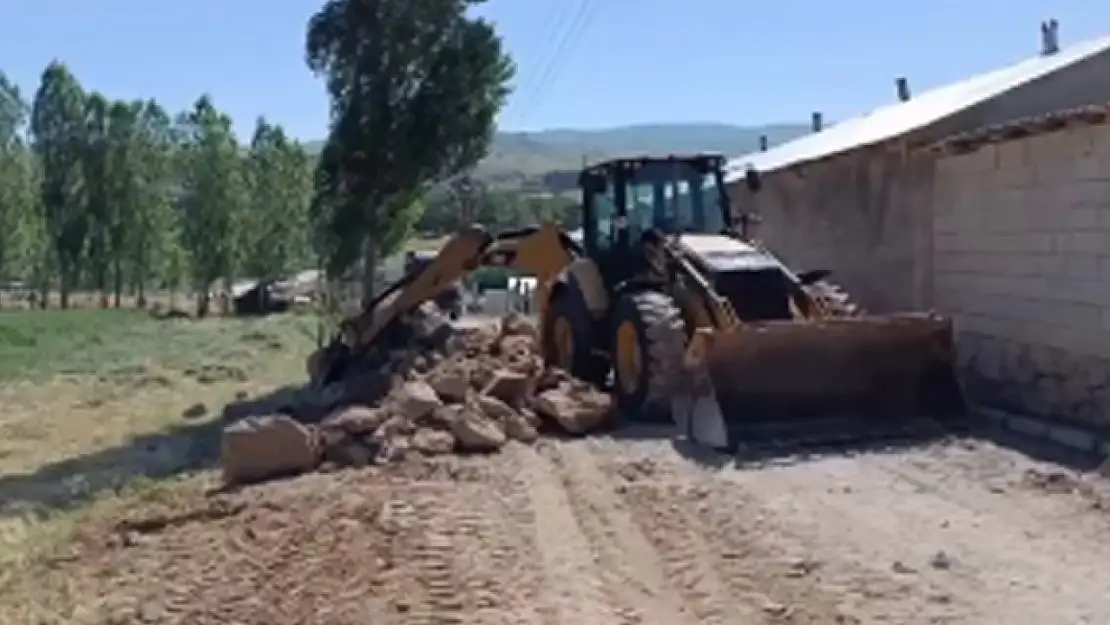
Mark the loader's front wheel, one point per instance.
(568, 341)
(649, 335)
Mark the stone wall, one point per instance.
(863, 215)
(1021, 238)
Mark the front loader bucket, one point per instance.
(886, 369)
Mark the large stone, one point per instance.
(444, 416)
(576, 410)
(259, 448)
(417, 400)
(515, 324)
(508, 386)
(354, 420)
(518, 428)
(494, 408)
(433, 442)
(475, 432)
(451, 386)
(393, 427)
(530, 417)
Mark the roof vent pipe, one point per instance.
(903, 87)
(818, 122)
(1050, 37)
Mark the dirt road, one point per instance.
(608, 532)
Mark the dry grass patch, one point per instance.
(103, 408)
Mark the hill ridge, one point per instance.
(539, 159)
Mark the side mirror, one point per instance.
(753, 180)
(813, 276)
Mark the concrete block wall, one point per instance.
(1021, 258)
(863, 215)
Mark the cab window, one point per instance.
(605, 210)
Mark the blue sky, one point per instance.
(627, 61)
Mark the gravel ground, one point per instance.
(606, 531)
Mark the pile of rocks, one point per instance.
(471, 393)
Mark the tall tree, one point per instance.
(123, 189)
(58, 130)
(297, 166)
(153, 239)
(212, 198)
(415, 87)
(272, 237)
(17, 201)
(97, 194)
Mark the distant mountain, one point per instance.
(524, 159)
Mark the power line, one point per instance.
(557, 17)
(581, 19)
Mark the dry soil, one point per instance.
(602, 531)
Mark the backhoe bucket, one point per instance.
(881, 369)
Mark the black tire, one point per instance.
(569, 305)
(838, 301)
(661, 341)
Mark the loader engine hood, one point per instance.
(721, 253)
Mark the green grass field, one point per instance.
(104, 406)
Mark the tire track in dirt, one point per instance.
(498, 558)
(915, 537)
(720, 544)
(779, 572)
(628, 563)
(438, 522)
(474, 560)
(689, 560)
(573, 590)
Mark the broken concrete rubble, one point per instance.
(576, 407)
(468, 391)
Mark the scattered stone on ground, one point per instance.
(441, 392)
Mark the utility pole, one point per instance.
(467, 193)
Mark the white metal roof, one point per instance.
(895, 120)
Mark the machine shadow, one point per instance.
(70, 482)
(180, 450)
(755, 449)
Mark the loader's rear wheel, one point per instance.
(568, 340)
(649, 335)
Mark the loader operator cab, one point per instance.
(623, 199)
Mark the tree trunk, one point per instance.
(101, 277)
(43, 291)
(65, 281)
(117, 282)
(204, 302)
(141, 276)
(369, 270)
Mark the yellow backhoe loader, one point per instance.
(696, 321)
